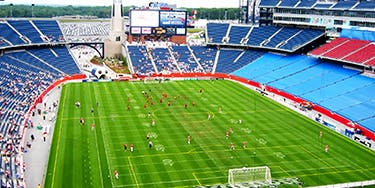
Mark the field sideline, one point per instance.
(277, 137)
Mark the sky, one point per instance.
(179, 3)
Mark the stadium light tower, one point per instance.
(113, 45)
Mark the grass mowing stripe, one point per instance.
(133, 172)
(267, 127)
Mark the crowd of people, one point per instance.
(19, 88)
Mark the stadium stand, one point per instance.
(365, 5)
(340, 90)
(231, 60)
(268, 3)
(10, 35)
(205, 56)
(59, 58)
(288, 3)
(344, 5)
(348, 50)
(216, 32)
(163, 60)
(306, 4)
(140, 60)
(237, 33)
(184, 59)
(49, 28)
(27, 30)
(268, 37)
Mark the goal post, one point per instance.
(249, 174)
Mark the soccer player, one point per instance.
(131, 147)
(145, 106)
(148, 136)
(161, 100)
(128, 99)
(128, 107)
(92, 110)
(125, 147)
(208, 116)
(188, 139)
(230, 130)
(321, 134)
(326, 148)
(97, 103)
(193, 103)
(81, 121)
(185, 105)
(231, 146)
(153, 122)
(92, 126)
(220, 109)
(150, 144)
(149, 114)
(244, 144)
(116, 174)
(240, 121)
(169, 103)
(227, 135)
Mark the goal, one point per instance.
(243, 175)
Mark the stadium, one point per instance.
(282, 94)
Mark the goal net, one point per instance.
(243, 175)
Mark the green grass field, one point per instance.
(277, 137)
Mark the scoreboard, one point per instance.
(158, 22)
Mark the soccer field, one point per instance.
(276, 137)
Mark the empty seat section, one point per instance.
(344, 49)
(281, 36)
(366, 4)
(344, 4)
(237, 33)
(26, 29)
(288, 3)
(302, 38)
(259, 34)
(49, 28)
(216, 32)
(328, 46)
(8, 34)
(226, 59)
(362, 55)
(306, 3)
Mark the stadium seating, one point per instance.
(163, 60)
(362, 54)
(10, 35)
(370, 62)
(344, 49)
(288, 3)
(205, 56)
(140, 60)
(26, 29)
(328, 46)
(232, 60)
(323, 5)
(344, 4)
(348, 50)
(280, 38)
(237, 33)
(49, 28)
(59, 58)
(301, 38)
(365, 5)
(216, 32)
(268, 3)
(185, 59)
(283, 35)
(306, 4)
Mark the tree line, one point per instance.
(38, 11)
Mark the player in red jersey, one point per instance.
(145, 106)
(125, 147)
(92, 126)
